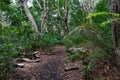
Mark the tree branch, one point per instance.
(39, 5)
(59, 11)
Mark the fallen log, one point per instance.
(25, 60)
(20, 65)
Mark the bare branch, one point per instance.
(39, 5)
(59, 11)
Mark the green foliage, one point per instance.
(4, 5)
(12, 43)
(91, 34)
(77, 13)
(103, 5)
(76, 55)
(19, 36)
(103, 14)
(97, 14)
(47, 41)
(74, 38)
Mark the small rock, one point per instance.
(49, 53)
(72, 66)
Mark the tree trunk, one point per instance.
(44, 16)
(115, 8)
(43, 23)
(31, 19)
(65, 18)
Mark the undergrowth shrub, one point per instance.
(47, 41)
(86, 35)
(96, 33)
(12, 42)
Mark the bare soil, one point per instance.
(50, 67)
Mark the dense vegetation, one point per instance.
(78, 24)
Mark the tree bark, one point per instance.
(44, 15)
(31, 19)
(65, 18)
(43, 23)
(115, 8)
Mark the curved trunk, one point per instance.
(31, 19)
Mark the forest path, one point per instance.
(50, 67)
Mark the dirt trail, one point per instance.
(50, 67)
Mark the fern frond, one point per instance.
(90, 15)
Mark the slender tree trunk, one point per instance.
(44, 15)
(31, 19)
(1, 18)
(115, 8)
(43, 23)
(65, 18)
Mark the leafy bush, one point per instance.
(90, 34)
(96, 32)
(12, 43)
(47, 41)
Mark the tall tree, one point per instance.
(44, 15)
(31, 19)
(65, 17)
(115, 8)
(43, 9)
